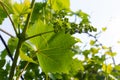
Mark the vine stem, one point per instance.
(15, 60)
(39, 34)
(8, 51)
(28, 18)
(3, 6)
(21, 40)
(22, 70)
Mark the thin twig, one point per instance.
(6, 33)
(3, 5)
(102, 45)
(112, 57)
(94, 38)
(23, 70)
(39, 34)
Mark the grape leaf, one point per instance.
(21, 9)
(59, 4)
(8, 6)
(12, 44)
(2, 63)
(107, 68)
(92, 42)
(37, 12)
(3, 74)
(26, 58)
(104, 29)
(76, 66)
(3, 15)
(110, 53)
(54, 53)
(117, 67)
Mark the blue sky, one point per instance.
(103, 13)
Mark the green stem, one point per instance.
(3, 6)
(39, 34)
(46, 76)
(21, 40)
(15, 60)
(28, 18)
(22, 71)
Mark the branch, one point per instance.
(6, 33)
(94, 38)
(21, 40)
(3, 5)
(23, 70)
(110, 49)
(28, 18)
(15, 60)
(8, 50)
(39, 34)
(112, 57)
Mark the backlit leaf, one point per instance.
(8, 5)
(76, 66)
(26, 58)
(54, 53)
(78, 40)
(92, 42)
(94, 50)
(104, 47)
(3, 15)
(82, 14)
(117, 67)
(104, 29)
(107, 68)
(110, 53)
(37, 12)
(59, 4)
(21, 8)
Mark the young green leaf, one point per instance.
(92, 42)
(94, 50)
(110, 53)
(26, 58)
(21, 9)
(8, 6)
(76, 66)
(117, 67)
(2, 63)
(3, 15)
(54, 53)
(104, 29)
(107, 68)
(59, 4)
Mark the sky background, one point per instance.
(103, 13)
